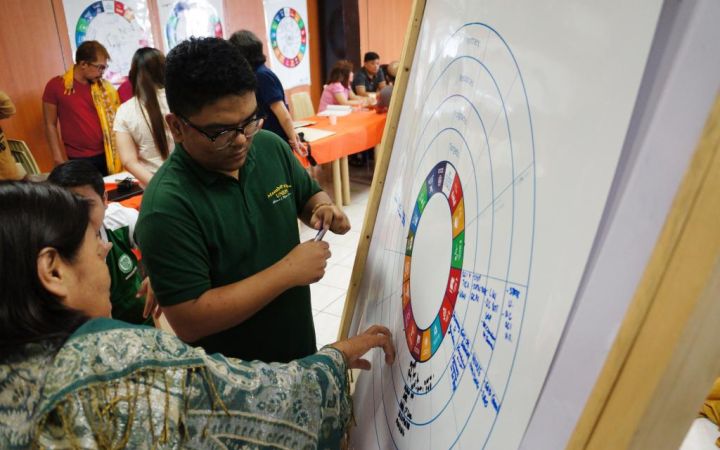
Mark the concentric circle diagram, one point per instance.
(450, 260)
(116, 26)
(192, 18)
(288, 37)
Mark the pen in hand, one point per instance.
(320, 233)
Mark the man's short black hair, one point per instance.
(78, 173)
(370, 56)
(250, 46)
(200, 71)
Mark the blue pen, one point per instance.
(320, 234)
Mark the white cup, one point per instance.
(333, 119)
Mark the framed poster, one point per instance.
(121, 26)
(181, 19)
(289, 41)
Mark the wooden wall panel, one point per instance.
(31, 53)
(382, 27)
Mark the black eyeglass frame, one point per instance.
(240, 128)
(100, 67)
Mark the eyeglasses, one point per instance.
(224, 138)
(100, 67)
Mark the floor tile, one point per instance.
(347, 261)
(337, 276)
(336, 307)
(326, 328)
(322, 295)
(340, 253)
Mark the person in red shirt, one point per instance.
(125, 91)
(85, 106)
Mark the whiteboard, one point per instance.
(507, 144)
(680, 83)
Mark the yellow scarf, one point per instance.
(106, 101)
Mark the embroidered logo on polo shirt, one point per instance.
(125, 264)
(280, 193)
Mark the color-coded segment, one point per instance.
(422, 199)
(446, 311)
(458, 218)
(458, 250)
(406, 294)
(426, 350)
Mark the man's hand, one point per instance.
(330, 214)
(355, 347)
(305, 264)
(151, 304)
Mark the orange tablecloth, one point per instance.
(358, 131)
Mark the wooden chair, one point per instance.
(23, 156)
(302, 106)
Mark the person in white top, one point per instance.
(142, 136)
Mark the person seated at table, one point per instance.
(337, 91)
(370, 78)
(142, 136)
(270, 94)
(117, 225)
(383, 101)
(73, 378)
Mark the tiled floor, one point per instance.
(328, 295)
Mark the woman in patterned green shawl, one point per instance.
(71, 378)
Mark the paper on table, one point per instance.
(334, 112)
(303, 123)
(313, 134)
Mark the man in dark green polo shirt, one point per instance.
(218, 223)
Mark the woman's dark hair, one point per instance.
(147, 75)
(200, 71)
(250, 46)
(341, 72)
(34, 216)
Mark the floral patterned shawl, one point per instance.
(114, 385)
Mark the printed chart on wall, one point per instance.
(509, 137)
(181, 19)
(121, 26)
(288, 40)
